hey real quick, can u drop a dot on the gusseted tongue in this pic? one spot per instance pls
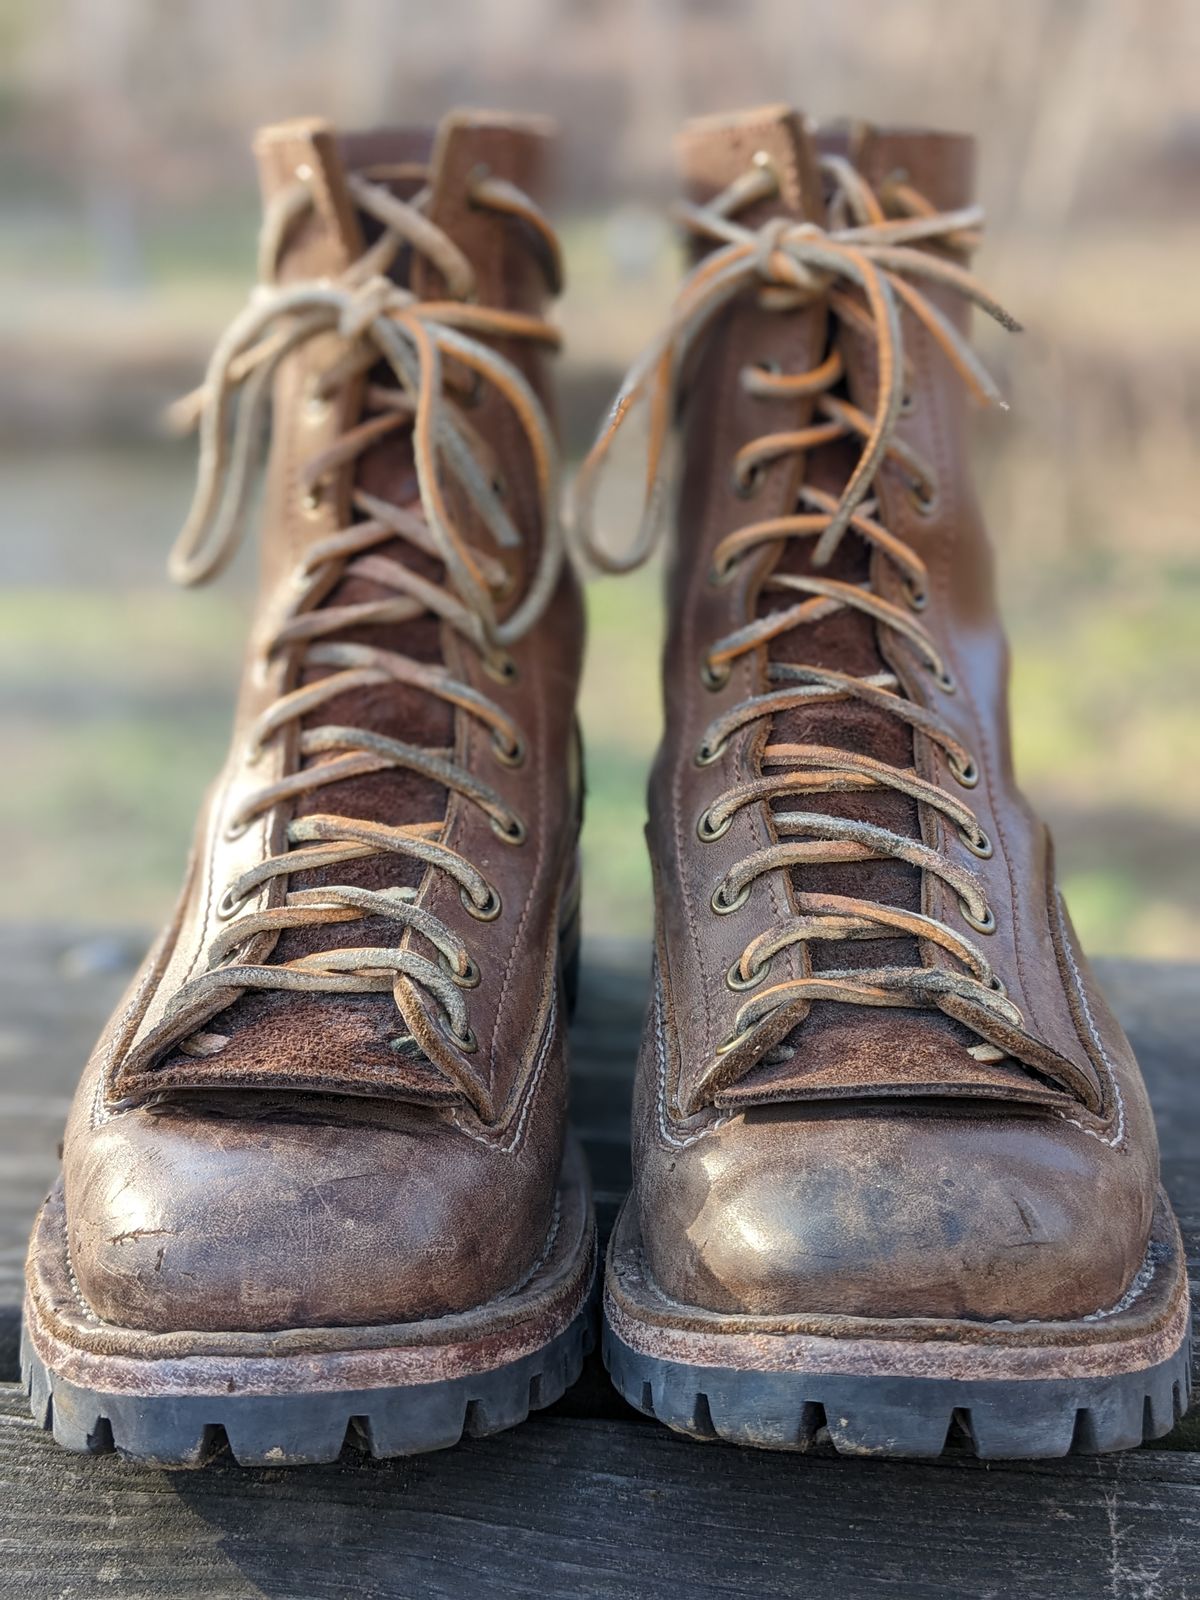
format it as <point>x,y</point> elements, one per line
<point>837,1049</point>
<point>310,1040</point>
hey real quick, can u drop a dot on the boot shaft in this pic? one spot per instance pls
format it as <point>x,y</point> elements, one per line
<point>407,704</point>
<point>835,825</point>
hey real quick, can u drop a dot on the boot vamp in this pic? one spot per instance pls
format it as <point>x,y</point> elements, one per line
<point>256,1216</point>
<point>784,1211</point>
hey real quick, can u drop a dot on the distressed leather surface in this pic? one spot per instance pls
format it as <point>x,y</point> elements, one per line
<point>877,1169</point>
<point>307,1174</point>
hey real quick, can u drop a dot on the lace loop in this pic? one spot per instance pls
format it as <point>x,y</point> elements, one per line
<point>867,265</point>
<point>367,318</point>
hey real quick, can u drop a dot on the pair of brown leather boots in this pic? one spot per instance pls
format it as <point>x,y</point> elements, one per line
<point>895,1171</point>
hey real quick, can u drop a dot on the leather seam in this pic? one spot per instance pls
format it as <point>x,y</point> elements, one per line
<point>527,1277</point>
<point>84,1306</point>
<point>548,1035</point>
<point>675,1141</point>
<point>1118,1137</point>
<point>1141,1281</point>
<point>505,1294</point>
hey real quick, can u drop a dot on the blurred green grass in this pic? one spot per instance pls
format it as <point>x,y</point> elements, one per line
<point>115,690</point>
<point>116,704</point>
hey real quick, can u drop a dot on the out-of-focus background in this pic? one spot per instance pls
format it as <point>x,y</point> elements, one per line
<point>127,218</point>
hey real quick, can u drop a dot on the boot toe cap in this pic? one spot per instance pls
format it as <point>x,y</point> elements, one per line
<point>896,1217</point>
<point>210,1223</point>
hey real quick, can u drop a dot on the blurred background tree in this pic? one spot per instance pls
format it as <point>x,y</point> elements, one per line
<point>128,212</point>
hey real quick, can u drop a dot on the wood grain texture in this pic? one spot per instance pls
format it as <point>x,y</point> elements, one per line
<point>586,1500</point>
<point>584,1508</point>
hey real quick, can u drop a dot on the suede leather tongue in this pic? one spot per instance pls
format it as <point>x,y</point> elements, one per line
<point>839,1049</point>
<point>271,1032</point>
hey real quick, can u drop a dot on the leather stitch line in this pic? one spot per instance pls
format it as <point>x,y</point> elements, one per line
<point>660,1057</point>
<point>677,780</point>
<point>1118,1137</point>
<point>1137,1288</point>
<point>92,1316</point>
<point>506,1294</point>
<point>534,1079</point>
<point>537,1266</point>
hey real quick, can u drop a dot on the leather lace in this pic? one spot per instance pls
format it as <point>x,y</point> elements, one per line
<point>865,265</point>
<point>432,349</point>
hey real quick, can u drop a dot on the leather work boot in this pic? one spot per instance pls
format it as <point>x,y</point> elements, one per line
<point>317,1177</point>
<point>896,1174</point>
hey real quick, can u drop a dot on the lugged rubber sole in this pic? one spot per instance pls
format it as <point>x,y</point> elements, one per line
<point>302,1429</point>
<point>299,1396</point>
<point>997,1390</point>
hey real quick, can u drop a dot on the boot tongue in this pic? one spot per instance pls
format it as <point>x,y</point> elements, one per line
<point>714,152</point>
<point>841,1049</point>
<point>324,239</point>
<point>940,166</point>
<point>273,1035</point>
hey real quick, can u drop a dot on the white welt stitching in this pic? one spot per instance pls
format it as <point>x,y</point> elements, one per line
<point>660,1057</point>
<point>537,1266</point>
<point>1119,1135</point>
<point>547,1038</point>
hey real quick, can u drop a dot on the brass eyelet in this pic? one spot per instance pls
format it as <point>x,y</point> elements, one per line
<point>465,980</point>
<point>917,599</point>
<point>719,576</point>
<point>502,668</point>
<point>908,403</point>
<point>722,906</point>
<point>466,1042</point>
<point>763,160</point>
<point>478,174</point>
<point>508,755</point>
<point>987,926</point>
<point>488,911</point>
<point>511,830</point>
<point>236,829</point>
<point>707,830</point>
<point>732,1042</point>
<point>968,776</point>
<point>980,846</point>
<point>923,497</point>
<point>757,973</point>
<point>311,501</point>
<point>747,484</point>
<point>707,753</point>
<point>997,985</point>
<point>230,904</point>
<point>944,679</point>
<point>316,405</point>
<point>505,588</point>
<point>768,365</point>
<point>714,678</point>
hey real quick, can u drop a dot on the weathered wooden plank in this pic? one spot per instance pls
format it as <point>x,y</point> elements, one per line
<point>597,1509</point>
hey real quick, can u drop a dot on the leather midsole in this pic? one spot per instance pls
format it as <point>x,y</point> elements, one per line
<point>103,1357</point>
<point>1126,1339</point>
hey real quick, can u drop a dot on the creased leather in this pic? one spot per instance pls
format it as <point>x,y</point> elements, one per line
<point>878,1168</point>
<point>305,1174</point>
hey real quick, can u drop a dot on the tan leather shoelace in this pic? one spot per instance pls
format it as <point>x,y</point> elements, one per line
<point>374,319</point>
<point>865,265</point>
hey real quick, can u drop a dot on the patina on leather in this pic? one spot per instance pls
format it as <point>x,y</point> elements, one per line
<point>350,1039</point>
<point>877,1077</point>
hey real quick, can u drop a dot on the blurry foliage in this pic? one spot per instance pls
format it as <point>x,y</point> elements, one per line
<point>126,227</point>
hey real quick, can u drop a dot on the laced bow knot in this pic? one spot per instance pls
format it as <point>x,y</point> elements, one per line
<point>375,297</point>
<point>373,318</point>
